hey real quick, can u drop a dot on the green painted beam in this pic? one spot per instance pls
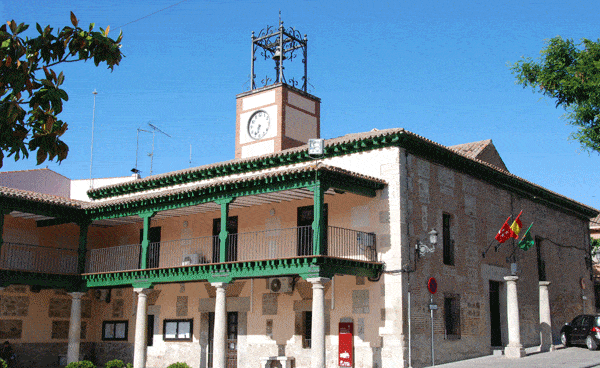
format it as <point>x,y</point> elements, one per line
<point>225,272</point>
<point>43,280</point>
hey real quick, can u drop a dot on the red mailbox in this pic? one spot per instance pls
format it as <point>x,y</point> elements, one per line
<point>346,337</point>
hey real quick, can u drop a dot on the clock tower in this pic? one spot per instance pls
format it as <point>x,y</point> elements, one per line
<point>280,115</point>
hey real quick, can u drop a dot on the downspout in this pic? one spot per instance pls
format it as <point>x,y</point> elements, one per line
<point>405,242</point>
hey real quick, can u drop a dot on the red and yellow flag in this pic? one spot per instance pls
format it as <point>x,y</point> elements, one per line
<point>516,226</point>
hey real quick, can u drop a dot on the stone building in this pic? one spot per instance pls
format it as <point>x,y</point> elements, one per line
<point>279,256</point>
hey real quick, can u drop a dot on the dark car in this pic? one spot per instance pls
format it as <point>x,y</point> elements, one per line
<point>583,329</point>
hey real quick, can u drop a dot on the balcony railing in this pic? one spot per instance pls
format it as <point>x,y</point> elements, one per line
<point>251,246</point>
<point>36,258</point>
<point>121,258</point>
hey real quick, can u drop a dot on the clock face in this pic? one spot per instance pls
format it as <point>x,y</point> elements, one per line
<point>259,124</point>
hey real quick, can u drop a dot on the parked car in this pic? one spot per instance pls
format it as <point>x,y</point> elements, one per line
<point>583,329</point>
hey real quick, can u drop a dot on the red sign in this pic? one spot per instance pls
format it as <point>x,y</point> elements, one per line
<point>346,344</point>
<point>432,285</point>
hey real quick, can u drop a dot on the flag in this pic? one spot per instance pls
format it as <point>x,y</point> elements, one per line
<point>505,232</point>
<point>527,240</point>
<point>516,226</point>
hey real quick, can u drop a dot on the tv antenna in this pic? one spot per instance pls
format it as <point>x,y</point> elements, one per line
<point>92,145</point>
<point>151,154</point>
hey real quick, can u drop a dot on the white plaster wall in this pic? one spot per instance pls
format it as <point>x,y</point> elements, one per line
<point>79,187</point>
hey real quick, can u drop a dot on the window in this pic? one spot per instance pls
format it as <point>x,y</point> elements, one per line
<point>307,329</point>
<point>115,330</point>
<point>541,265</point>
<point>448,244</point>
<point>452,316</point>
<point>177,329</point>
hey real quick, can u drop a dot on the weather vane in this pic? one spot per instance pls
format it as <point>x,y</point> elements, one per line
<point>279,44</point>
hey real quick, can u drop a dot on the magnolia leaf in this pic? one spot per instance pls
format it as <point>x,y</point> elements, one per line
<point>74,20</point>
<point>41,156</point>
<point>107,30</point>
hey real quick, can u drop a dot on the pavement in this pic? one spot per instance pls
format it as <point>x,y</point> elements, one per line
<point>572,357</point>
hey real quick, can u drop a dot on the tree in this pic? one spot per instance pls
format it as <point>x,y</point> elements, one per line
<point>30,93</point>
<point>569,73</point>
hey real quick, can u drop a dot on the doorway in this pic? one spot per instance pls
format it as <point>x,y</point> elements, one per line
<point>495,326</point>
<point>305,220</point>
<point>153,256</point>
<point>232,335</point>
<point>232,229</point>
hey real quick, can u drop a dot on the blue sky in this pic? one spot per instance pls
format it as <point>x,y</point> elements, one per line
<point>440,69</point>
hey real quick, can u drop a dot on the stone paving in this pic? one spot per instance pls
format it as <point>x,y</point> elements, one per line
<point>573,357</point>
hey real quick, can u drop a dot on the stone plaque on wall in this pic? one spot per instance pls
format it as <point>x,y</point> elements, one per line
<point>14,305</point>
<point>182,306</point>
<point>60,308</point>
<point>60,329</point>
<point>269,329</point>
<point>86,308</point>
<point>384,217</point>
<point>269,304</point>
<point>16,289</point>
<point>11,328</point>
<point>360,301</point>
<point>118,308</point>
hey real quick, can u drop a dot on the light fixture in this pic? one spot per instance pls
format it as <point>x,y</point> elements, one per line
<point>423,249</point>
<point>315,147</point>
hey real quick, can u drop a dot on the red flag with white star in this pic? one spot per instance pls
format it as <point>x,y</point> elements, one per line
<point>505,232</point>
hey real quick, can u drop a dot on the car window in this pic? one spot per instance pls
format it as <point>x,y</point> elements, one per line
<point>586,321</point>
<point>597,321</point>
<point>576,321</point>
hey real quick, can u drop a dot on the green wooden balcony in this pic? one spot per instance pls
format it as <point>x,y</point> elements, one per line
<point>243,247</point>
<point>251,254</point>
<point>275,252</point>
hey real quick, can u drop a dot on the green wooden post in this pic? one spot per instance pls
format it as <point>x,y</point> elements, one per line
<point>82,250</point>
<point>318,225</point>
<point>146,216</point>
<point>224,202</point>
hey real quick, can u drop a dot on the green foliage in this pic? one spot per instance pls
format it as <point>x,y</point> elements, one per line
<point>81,364</point>
<point>30,93</point>
<point>117,364</point>
<point>3,363</point>
<point>179,365</point>
<point>595,245</point>
<point>569,73</point>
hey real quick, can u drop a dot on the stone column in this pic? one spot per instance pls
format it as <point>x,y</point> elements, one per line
<point>74,328</point>
<point>141,321</point>
<point>545,319</point>
<point>318,322</point>
<point>514,349</point>
<point>220,326</point>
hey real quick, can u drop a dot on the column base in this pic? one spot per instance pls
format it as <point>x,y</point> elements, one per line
<point>513,352</point>
<point>546,348</point>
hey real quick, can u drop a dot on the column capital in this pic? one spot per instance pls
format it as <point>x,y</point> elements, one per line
<point>220,285</point>
<point>545,283</point>
<point>318,280</point>
<point>76,294</point>
<point>142,291</point>
<point>511,278</point>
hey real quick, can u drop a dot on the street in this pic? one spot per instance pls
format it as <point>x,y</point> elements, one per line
<point>573,357</point>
